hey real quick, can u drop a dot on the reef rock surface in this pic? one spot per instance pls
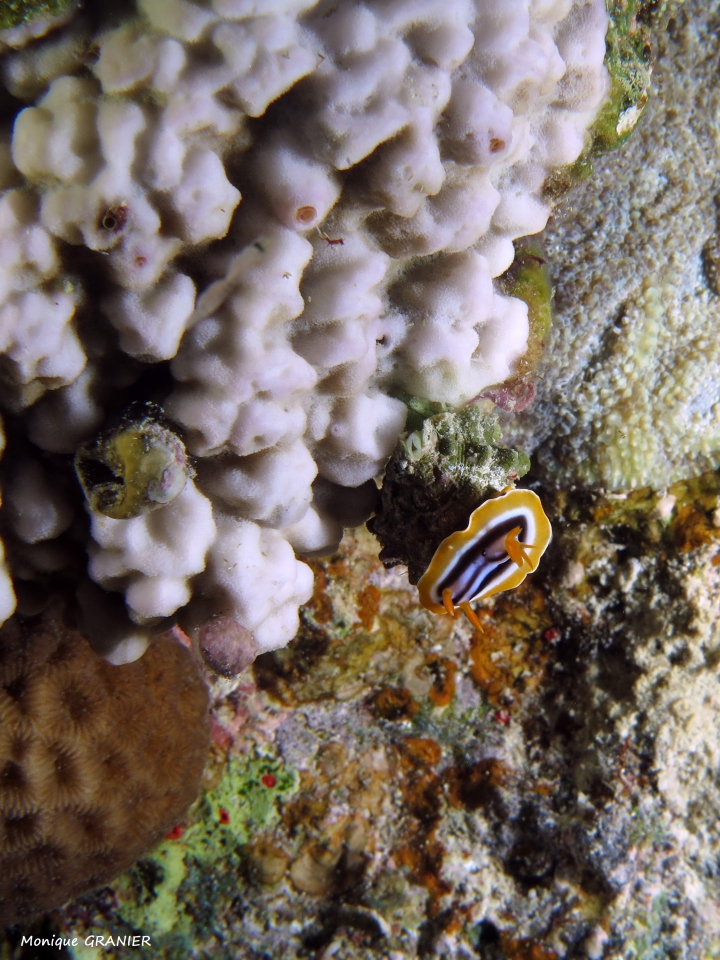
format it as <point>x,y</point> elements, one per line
<point>397,784</point>
<point>629,384</point>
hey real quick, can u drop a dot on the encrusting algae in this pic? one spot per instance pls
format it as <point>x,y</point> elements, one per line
<point>404,783</point>
<point>16,13</point>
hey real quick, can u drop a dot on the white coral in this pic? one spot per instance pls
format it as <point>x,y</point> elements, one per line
<point>7,592</point>
<point>39,345</point>
<point>253,576</point>
<point>154,556</point>
<point>238,354</point>
<point>403,147</point>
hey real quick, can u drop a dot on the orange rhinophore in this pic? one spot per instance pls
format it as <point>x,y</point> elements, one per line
<point>503,542</point>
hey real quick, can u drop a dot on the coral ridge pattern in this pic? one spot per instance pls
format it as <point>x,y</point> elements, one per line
<point>97,761</point>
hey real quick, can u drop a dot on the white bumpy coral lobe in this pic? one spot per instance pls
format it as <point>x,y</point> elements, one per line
<point>410,129</point>
<point>39,348</point>
<point>7,593</point>
<point>253,575</point>
<point>155,555</point>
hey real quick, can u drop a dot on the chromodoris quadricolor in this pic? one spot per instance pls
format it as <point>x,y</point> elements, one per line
<point>503,542</point>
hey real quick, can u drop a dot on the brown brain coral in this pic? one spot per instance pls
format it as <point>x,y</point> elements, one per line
<point>97,761</point>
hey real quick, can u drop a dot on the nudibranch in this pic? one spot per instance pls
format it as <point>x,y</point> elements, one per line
<point>503,542</point>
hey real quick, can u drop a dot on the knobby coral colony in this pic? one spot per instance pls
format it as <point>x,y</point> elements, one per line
<point>97,761</point>
<point>503,542</point>
<point>281,223</point>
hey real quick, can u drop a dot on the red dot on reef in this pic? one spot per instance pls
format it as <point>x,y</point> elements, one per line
<point>177,831</point>
<point>503,717</point>
<point>552,634</point>
<point>268,780</point>
<point>224,816</point>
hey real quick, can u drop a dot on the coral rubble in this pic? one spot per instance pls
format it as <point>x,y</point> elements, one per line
<point>279,224</point>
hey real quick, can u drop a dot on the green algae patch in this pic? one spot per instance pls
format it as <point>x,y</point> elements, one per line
<point>419,409</point>
<point>14,13</point>
<point>628,59</point>
<point>164,895</point>
<point>629,44</point>
<point>436,477</point>
<point>632,28</point>
<point>527,279</point>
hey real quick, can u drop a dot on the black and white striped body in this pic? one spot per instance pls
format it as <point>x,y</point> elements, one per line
<point>483,563</point>
<point>476,562</point>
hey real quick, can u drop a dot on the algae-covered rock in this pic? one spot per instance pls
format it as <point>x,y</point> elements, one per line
<point>628,59</point>
<point>16,13</point>
<point>628,383</point>
<point>528,279</point>
<point>169,893</point>
<point>399,784</point>
<point>632,42</point>
<point>134,467</point>
<point>439,473</point>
